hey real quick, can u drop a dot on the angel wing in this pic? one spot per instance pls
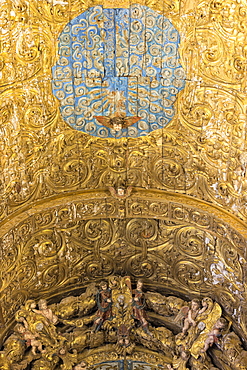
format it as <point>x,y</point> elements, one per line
<point>209,322</point>
<point>129,121</point>
<point>116,195</point>
<point>128,191</point>
<point>113,191</point>
<point>105,121</point>
<point>118,120</point>
<point>183,313</point>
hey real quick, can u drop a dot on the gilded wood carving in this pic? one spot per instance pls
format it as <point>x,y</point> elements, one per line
<point>115,321</point>
<point>169,206</point>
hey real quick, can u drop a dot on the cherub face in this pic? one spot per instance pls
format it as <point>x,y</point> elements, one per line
<point>120,191</point>
<point>139,284</point>
<point>220,325</point>
<point>194,306</point>
<point>117,126</point>
<point>43,305</point>
<point>21,329</point>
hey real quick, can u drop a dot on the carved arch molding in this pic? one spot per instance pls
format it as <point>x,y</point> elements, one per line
<point>179,246</point>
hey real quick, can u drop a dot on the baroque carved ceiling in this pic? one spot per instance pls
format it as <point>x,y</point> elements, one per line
<point>164,204</point>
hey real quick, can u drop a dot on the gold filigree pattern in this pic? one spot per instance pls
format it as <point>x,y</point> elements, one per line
<point>183,221</point>
<point>199,157</point>
<point>69,246</point>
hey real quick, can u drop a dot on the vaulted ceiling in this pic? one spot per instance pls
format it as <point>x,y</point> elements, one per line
<point>166,204</point>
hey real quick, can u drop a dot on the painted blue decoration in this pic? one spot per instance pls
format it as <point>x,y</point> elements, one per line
<point>119,72</point>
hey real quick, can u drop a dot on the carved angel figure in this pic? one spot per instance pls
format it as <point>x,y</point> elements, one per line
<point>120,192</point>
<point>38,344</point>
<point>104,303</point>
<point>30,339</point>
<point>117,122</point>
<point>139,306</point>
<point>38,325</point>
<point>213,336</point>
<point>190,315</point>
<point>46,312</point>
<point>207,327</point>
<point>194,331</point>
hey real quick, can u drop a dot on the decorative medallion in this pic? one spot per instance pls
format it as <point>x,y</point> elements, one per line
<point>118,72</point>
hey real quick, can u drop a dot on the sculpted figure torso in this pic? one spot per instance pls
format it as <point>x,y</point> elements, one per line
<point>104,303</point>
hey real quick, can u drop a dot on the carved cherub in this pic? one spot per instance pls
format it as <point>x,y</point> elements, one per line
<point>213,336</point>
<point>204,306</point>
<point>46,312</point>
<point>30,339</point>
<point>191,315</point>
<point>118,122</point>
<point>206,322</point>
<point>38,324</point>
<point>207,306</point>
<point>32,321</point>
<point>120,192</point>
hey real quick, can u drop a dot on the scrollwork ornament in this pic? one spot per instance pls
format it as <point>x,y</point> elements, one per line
<point>189,274</point>
<point>138,266</point>
<point>98,266</point>
<point>190,241</point>
<point>142,232</point>
<point>182,226</point>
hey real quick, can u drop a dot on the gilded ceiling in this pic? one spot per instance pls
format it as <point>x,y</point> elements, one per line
<point>123,150</point>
